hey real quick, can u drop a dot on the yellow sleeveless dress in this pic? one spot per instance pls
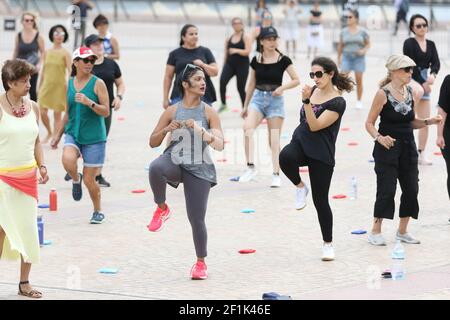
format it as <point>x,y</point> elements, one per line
<point>53,92</point>
<point>18,211</point>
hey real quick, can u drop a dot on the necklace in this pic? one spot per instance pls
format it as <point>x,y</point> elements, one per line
<point>19,112</point>
<point>402,93</point>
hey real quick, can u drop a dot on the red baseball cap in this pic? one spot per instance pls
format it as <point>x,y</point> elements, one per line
<point>83,52</point>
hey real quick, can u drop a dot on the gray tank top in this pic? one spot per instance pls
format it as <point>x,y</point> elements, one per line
<point>188,149</point>
<point>29,51</point>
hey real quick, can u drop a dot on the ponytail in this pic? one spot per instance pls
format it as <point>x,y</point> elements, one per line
<point>386,80</point>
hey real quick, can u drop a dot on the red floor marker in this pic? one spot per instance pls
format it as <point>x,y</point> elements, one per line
<point>235,110</point>
<point>222,160</point>
<point>247,251</point>
<point>138,191</point>
<point>226,141</point>
<point>345,129</point>
<point>120,118</point>
<point>352,144</point>
<point>438,153</point>
<point>303,170</point>
<point>339,196</point>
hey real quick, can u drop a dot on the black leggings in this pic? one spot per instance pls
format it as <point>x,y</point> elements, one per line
<point>33,89</point>
<point>108,121</point>
<point>291,158</point>
<point>240,70</point>
<point>446,154</point>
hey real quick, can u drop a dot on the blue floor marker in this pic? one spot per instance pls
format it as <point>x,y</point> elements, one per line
<point>108,270</point>
<point>247,210</point>
<point>359,231</point>
<point>43,206</point>
<point>234,179</point>
<point>47,242</point>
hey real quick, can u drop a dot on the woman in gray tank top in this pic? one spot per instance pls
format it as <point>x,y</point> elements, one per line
<point>194,126</point>
<point>30,46</point>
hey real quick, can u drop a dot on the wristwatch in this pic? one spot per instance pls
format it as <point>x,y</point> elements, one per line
<point>93,105</point>
<point>120,97</point>
<point>306,101</point>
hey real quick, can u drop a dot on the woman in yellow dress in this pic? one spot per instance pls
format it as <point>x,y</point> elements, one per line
<point>52,85</point>
<point>21,167</point>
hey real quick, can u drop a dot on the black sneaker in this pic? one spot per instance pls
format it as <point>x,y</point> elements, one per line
<point>67,177</point>
<point>97,218</point>
<point>102,182</point>
<point>77,191</point>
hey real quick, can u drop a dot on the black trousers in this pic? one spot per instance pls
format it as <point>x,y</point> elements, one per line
<point>398,163</point>
<point>229,71</point>
<point>291,158</point>
<point>446,154</point>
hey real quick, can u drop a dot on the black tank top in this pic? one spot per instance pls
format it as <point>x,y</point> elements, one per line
<point>397,116</point>
<point>237,58</point>
<point>29,51</point>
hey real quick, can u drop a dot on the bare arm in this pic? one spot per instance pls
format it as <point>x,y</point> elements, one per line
<point>295,81</point>
<point>41,43</point>
<point>440,142</point>
<point>120,85</point>
<point>340,47</point>
<point>41,73</point>
<point>211,69</point>
<point>16,47</point>
<point>68,64</point>
<point>38,152</point>
<point>326,119</point>
<point>214,137</point>
<point>377,106</point>
<point>250,89</point>
<point>102,108</point>
<point>115,49</point>
<point>168,78</point>
<point>247,47</point>
<point>162,128</point>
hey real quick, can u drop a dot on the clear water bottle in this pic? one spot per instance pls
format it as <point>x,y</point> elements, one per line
<point>399,251</point>
<point>353,189</point>
<point>397,271</point>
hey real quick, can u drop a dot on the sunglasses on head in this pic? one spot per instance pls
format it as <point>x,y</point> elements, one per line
<point>190,67</point>
<point>88,60</point>
<point>407,69</point>
<point>420,26</point>
<point>317,74</point>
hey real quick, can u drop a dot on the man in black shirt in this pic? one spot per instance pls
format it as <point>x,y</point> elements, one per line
<point>108,70</point>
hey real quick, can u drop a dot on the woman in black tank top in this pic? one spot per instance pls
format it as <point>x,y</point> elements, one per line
<point>395,151</point>
<point>30,46</point>
<point>236,62</point>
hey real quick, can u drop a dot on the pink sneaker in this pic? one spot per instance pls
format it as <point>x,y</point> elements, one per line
<point>199,271</point>
<point>159,217</point>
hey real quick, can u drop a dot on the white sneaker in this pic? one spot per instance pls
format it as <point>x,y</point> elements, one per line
<point>248,175</point>
<point>276,181</point>
<point>406,238</point>
<point>359,105</point>
<point>300,201</point>
<point>376,239</point>
<point>327,252</point>
<point>423,160</point>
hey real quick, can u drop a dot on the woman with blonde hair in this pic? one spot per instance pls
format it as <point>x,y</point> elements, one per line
<point>30,46</point>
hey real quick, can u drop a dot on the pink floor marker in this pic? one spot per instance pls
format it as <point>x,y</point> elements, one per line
<point>120,118</point>
<point>226,141</point>
<point>235,110</point>
<point>345,129</point>
<point>247,251</point>
<point>222,160</point>
<point>352,144</point>
<point>339,196</point>
<point>138,191</point>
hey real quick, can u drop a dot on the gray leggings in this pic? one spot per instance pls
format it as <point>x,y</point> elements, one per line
<point>196,192</point>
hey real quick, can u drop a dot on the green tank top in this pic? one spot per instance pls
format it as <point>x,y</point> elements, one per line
<point>84,125</point>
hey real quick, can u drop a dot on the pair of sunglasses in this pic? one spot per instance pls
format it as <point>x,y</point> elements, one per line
<point>420,26</point>
<point>190,67</point>
<point>407,69</point>
<point>28,20</point>
<point>348,17</point>
<point>317,74</point>
<point>59,33</point>
<point>88,60</point>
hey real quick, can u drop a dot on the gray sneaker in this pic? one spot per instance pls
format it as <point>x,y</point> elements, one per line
<point>406,238</point>
<point>376,239</point>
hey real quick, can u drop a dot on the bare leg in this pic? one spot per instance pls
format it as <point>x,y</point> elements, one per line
<point>359,85</point>
<point>403,225</point>
<point>25,269</point>
<point>274,125</point>
<point>2,239</point>
<point>69,160</point>
<point>376,228</point>
<point>56,120</point>
<point>89,175</point>
<point>250,124</point>
<point>46,123</point>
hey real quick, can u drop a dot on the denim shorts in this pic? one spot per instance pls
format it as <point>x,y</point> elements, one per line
<point>268,105</point>
<point>424,74</point>
<point>352,62</point>
<point>93,154</point>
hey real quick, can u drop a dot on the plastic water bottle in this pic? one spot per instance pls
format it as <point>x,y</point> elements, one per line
<point>399,251</point>
<point>398,272</point>
<point>53,200</point>
<point>40,225</point>
<point>353,189</point>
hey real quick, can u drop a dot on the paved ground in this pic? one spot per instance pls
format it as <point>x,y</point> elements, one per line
<point>287,242</point>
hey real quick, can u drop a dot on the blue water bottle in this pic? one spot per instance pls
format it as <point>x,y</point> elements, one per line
<point>40,225</point>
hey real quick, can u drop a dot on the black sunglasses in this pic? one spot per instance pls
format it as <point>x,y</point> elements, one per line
<point>88,60</point>
<point>317,74</point>
<point>407,69</point>
<point>348,17</point>
<point>420,26</point>
<point>189,67</point>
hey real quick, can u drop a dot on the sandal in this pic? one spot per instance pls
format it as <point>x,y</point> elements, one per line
<point>31,294</point>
